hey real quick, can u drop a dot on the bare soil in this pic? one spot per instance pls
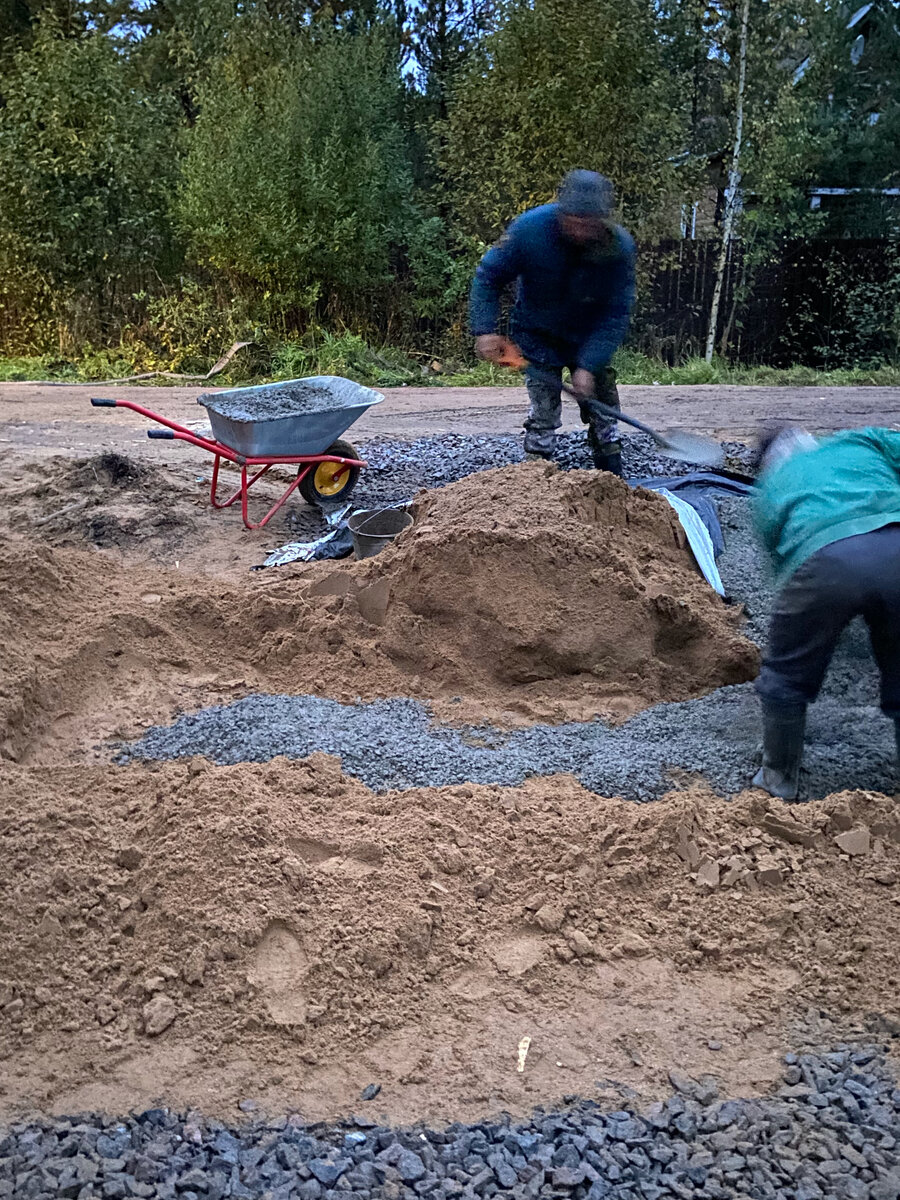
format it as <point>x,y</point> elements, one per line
<point>45,419</point>
<point>205,935</point>
<point>199,935</point>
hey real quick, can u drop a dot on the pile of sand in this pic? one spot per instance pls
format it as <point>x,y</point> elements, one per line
<point>203,931</point>
<point>109,501</point>
<point>520,594</point>
<point>546,595</point>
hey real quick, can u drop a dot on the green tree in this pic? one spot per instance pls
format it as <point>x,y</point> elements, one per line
<point>19,20</point>
<point>86,166</point>
<point>751,106</point>
<point>296,180</point>
<point>564,83</point>
<point>442,34</point>
<point>857,73</point>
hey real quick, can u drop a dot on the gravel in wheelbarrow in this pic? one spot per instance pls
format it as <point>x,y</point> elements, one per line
<point>293,398</point>
<point>299,416</point>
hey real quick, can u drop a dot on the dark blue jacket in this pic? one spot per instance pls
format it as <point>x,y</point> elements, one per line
<point>573,304</point>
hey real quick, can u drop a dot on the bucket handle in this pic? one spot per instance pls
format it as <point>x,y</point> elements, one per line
<point>371,517</point>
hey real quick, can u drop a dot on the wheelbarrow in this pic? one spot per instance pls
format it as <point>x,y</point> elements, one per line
<point>296,423</point>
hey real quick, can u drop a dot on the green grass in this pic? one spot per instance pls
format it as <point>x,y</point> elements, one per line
<point>633,367</point>
<point>20,369</point>
<point>92,365</point>
<point>349,355</point>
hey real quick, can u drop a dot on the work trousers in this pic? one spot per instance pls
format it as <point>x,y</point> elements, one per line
<point>855,577</point>
<point>545,416</point>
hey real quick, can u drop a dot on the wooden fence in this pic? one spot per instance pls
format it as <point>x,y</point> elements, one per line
<point>816,303</point>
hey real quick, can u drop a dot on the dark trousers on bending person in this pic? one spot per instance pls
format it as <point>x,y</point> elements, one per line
<point>545,417</point>
<point>855,577</point>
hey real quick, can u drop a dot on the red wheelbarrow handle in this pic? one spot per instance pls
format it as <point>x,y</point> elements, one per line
<point>173,429</point>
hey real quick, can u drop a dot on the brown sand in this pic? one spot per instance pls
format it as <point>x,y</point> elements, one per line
<point>550,595</point>
<point>277,932</point>
<point>521,594</point>
<point>199,936</point>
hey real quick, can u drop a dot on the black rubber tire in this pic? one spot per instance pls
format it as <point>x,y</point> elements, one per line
<point>311,494</point>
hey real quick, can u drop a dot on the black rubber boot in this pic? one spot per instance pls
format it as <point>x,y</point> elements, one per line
<point>538,446</point>
<point>784,726</point>
<point>609,462</point>
<point>607,456</point>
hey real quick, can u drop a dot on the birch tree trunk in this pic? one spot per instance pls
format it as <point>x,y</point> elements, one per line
<point>734,178</point>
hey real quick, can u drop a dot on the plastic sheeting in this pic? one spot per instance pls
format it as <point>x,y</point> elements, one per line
<point>695,488</point>
<point>698,537</point>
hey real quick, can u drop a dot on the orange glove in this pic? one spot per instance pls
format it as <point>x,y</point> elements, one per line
<point>500,350</point>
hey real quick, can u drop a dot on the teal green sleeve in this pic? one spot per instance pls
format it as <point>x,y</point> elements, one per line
<point>888,442</point>
<point>767,519</point>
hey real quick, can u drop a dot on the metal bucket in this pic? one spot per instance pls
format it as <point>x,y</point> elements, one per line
<point>374,528</point>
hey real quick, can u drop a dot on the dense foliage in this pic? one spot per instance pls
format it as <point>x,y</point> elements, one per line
<point>177,174</point>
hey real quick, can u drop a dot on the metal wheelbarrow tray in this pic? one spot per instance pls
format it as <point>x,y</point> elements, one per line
<point>291,423</point>
<point>301,416</point>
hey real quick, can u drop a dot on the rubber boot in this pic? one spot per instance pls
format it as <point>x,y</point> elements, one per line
<point>784,726</point>
<point>609,462</point>
<point>607,456</point>
<point>539,447</point>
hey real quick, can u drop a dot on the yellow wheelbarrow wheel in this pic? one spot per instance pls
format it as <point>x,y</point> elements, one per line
<point>330,483</point>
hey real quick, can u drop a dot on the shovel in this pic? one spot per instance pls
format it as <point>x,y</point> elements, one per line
<point>686,447</point>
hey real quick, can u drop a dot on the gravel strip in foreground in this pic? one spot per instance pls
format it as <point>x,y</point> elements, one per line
<point>831,1131</point>
<point>393,743</point>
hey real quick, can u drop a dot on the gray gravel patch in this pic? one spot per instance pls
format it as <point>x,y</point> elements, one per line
<point>830,1131</point>
<point>271,403</point>
<point>394,743</point>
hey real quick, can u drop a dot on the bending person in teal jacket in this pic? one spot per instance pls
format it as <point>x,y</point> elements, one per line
<point>574,271</point>
<point>828,513</point>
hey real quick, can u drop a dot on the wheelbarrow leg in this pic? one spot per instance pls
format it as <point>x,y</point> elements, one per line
<point>240,493</point>
<point>246,485</point>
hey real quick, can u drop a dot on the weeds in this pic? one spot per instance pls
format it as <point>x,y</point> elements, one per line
<point>320,352</point>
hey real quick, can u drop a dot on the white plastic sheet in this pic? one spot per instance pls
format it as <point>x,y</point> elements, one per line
<point>698,538</point>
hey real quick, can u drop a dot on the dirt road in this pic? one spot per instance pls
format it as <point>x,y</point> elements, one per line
<point>41,418</point>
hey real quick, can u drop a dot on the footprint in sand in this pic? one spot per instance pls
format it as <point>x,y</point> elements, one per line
<point>355,861</point>
<point>278,970</point>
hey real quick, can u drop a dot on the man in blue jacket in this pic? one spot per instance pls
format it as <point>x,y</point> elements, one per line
<point>575,274</point>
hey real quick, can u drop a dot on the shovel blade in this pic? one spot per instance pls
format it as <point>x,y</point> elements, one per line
<point>692,448</point>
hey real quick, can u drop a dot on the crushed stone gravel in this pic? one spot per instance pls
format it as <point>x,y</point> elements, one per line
<point>394,743</point>
<point>293,398</point>
<point>268,404</point>
<point>830,1131</point>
